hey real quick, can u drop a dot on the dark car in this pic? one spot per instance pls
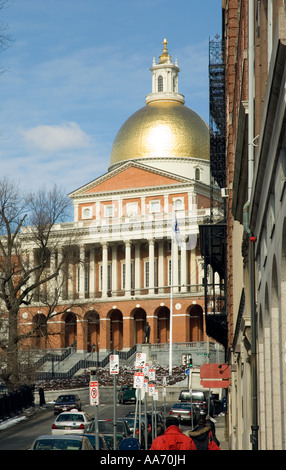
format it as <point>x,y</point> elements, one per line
<point>185,412</point>
<point>159,422</point>
<point>64,442</point>
<point>106,428</point>
<point>199,397</point>
<point>126,393</point>
<point>130,421</point>
<point>202,398</point>
<point>103,445</point>
<point>67,403</point>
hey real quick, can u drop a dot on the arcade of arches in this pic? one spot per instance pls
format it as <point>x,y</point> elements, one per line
<point>91,330</point>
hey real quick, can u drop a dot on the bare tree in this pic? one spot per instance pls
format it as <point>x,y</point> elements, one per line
<point>29,224</point>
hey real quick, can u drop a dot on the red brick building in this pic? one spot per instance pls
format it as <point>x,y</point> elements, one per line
<point>127,269</point>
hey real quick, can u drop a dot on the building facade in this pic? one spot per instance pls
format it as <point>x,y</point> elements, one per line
<point>126,267</point>
<point>255,34</point>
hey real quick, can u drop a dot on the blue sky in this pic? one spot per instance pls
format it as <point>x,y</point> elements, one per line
<point>76,70</point>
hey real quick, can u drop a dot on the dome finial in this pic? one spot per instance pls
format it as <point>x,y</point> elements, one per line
<point>164,57</point>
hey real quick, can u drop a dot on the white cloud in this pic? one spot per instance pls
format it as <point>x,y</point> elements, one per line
<point>56,137</point>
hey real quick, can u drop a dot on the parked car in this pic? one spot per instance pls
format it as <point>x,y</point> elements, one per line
<point>106,428</point>
<point>159,422</point>
<point>200,398</point>
<point>130,421</point>
<point>71,422</point>
<point>126,393</point>
<point>103,444</point>
<point>65,442</point>
<point>185,412</point>
<point>67,403</point>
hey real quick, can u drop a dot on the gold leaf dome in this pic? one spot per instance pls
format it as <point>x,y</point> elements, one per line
<point>165,129</point>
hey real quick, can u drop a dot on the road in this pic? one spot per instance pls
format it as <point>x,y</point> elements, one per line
<point>22,435</point>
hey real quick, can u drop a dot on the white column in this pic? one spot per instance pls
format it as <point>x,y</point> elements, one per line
<point>53,282</point>
<point>175,266</point>
<point>92,272</point>
<point>184,264</point>
<point>137,268</point>
<point>104,268</point>
<point>127,267</point>
<point>161,270</point>
<point>81,271</point>
<point>114,276</point>
<point>151,265</point>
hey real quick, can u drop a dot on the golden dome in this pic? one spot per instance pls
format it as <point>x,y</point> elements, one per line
<point>167,129</point>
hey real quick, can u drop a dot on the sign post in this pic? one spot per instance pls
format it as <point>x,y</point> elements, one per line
<point>94,401</point>
<point>114,369</point>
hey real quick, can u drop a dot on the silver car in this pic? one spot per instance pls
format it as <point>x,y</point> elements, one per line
<point>71,422</point>
<point>62,443</point>
<point>184,411</point>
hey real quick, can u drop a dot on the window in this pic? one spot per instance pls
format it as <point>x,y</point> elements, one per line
<point>123,275</point>
<point>160,83</point>
<point>147,274</point>
<point>154,206</point>
<point>108,276</point>
<point>108,211</point>
<point>197,174</point>
<point>86,213</point>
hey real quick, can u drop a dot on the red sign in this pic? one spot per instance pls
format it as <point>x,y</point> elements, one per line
<point>215,375</point>
<point>93,393</point>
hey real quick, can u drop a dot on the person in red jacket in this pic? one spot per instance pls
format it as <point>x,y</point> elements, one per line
<point>173,438</point>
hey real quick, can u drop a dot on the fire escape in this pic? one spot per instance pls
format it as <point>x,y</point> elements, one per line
<point>213,230</point>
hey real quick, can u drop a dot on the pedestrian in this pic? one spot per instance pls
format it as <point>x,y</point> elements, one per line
<point>42,396</point>
<point>203,436</point>
<point>173,438</point>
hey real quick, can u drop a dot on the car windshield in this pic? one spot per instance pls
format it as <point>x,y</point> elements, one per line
<point>65,398</point>
<point>58,444</point>
<point>70,417</point>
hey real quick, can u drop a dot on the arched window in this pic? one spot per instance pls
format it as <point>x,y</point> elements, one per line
<point>197,174</point>
<point>160,83</point>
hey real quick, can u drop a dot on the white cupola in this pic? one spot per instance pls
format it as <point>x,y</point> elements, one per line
<point>165,79</point>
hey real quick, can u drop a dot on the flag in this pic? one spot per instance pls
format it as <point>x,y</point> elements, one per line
<point>176,230</point>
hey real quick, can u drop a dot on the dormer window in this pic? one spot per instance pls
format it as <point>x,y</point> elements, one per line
<point>160,83</point>
<point>197,174</point>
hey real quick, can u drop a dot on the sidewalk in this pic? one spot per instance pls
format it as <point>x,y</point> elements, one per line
<point>220,431</point>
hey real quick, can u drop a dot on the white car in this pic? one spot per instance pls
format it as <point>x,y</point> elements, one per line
<point>71,422</point>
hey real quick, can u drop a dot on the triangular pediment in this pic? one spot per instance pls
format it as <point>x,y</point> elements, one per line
<point>130,176</point>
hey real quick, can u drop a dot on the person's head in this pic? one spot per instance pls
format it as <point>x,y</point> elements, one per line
<point>202,420</point>
<point>172,421</point>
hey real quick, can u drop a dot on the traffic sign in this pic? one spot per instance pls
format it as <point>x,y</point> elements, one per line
<point>93,393</point>
<point>152,374</point>
<point>138,380</point>
<point>114,364</point>
<point>140,360</point>
<point>152,390</point>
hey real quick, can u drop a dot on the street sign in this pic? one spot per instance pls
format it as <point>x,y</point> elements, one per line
<point>114,364</point>
<point>140,360</point>
<point>138,380</point>
<point>152,374</point>
<point>93,393</point>
<point>215,375</point>
<point>152,390</point>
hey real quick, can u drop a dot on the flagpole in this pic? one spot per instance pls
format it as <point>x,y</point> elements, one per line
<point>177,237</point>
<point>171,313</point>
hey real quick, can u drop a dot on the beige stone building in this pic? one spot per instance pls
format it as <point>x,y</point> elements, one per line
<point>255,61</point>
